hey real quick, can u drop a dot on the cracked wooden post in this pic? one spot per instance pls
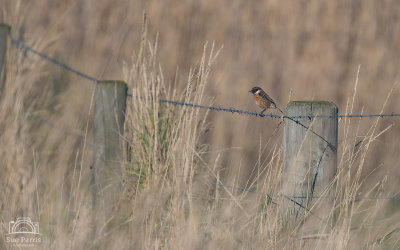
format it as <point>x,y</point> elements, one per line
<point>109,118</point>
<point>310,160</point>
<point>4,32</point>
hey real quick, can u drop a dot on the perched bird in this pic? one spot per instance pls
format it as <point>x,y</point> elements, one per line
<point>263,100</point>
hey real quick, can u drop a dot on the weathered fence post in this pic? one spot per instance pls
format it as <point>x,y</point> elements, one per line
<point>109,118</point>
<point>310,151</point>
<point>4,32</point>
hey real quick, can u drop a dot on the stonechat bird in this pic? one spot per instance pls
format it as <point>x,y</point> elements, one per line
<point>263,100</point>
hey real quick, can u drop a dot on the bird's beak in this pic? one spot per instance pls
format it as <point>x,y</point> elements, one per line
<point>250,91</point>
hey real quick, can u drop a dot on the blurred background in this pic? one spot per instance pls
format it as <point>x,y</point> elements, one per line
<point>300,50</point>
<point>295,50</point>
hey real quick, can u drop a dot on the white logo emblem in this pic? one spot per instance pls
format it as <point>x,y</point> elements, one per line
<point>23,232</point>
<point>23,225</point>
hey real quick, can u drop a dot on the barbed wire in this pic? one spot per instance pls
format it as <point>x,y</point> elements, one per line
<point>215,108</point>
<point>233,110</point>
<point>254,190</point>
<point>245,112</point>
<point>20,44</point>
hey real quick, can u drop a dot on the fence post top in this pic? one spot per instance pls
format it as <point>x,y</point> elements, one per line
<point>119,82</point>
<point>308,103</point>
<point>4,25</point>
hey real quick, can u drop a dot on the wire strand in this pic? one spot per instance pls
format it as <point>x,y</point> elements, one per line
<point>245,112</point>
<point>21,45</point>
<point>53,60</point>
<point>253,190</point>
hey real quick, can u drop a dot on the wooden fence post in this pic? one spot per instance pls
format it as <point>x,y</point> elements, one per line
<point>4,32</point>
<point>310,151</point>
<point>109,118</point>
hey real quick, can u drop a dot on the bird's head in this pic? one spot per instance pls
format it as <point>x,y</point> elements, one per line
<point>254,90</point>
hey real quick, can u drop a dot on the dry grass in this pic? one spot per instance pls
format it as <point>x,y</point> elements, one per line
<point>298,51</point>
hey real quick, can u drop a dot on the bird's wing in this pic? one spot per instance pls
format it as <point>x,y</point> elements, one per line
<point>266,96</point>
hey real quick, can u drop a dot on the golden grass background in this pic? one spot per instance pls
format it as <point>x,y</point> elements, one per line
<point>297,50</point>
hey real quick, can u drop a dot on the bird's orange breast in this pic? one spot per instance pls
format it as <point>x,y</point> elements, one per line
<point>261,102</point>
